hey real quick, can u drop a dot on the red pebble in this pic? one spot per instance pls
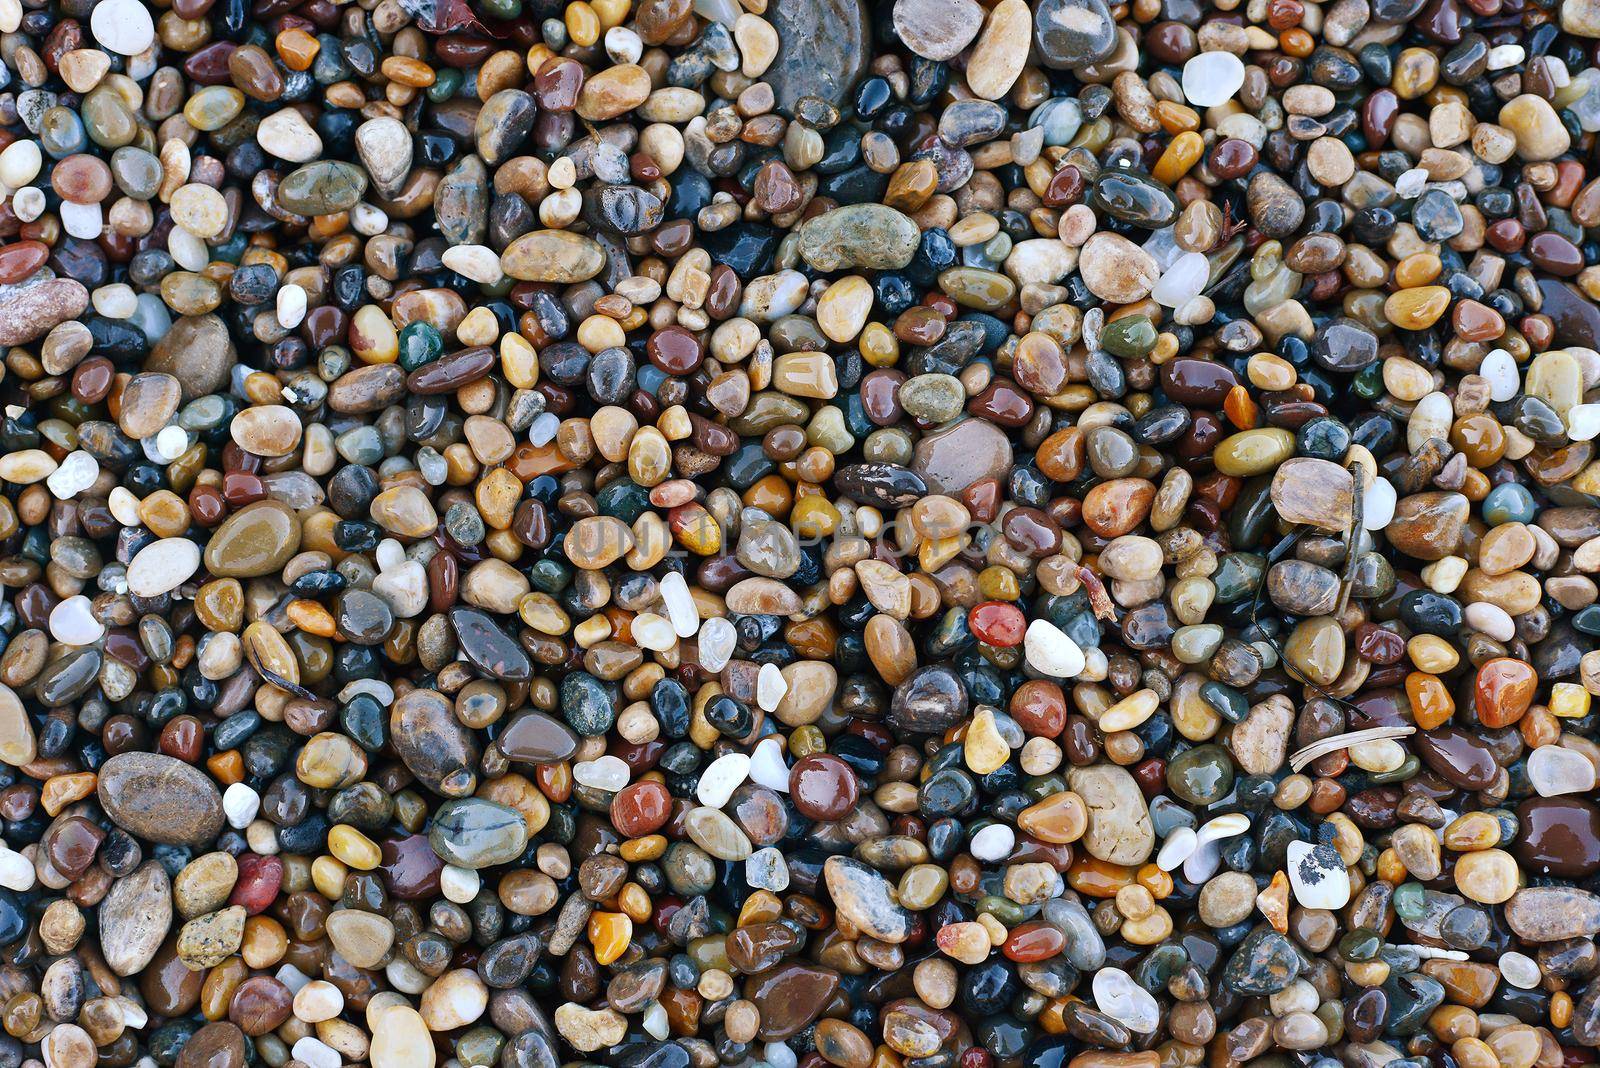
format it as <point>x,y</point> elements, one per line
<point>260,879</point>
<point>641,808</point>
<point>997,623</point>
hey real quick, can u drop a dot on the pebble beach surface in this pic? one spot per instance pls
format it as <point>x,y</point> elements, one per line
<point>799,533</point>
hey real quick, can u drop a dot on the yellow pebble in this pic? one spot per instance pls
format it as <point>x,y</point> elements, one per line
<point>1416,309</point>
<point>353,848</point>
<point>1182,153</point>
<point>1569,700</point>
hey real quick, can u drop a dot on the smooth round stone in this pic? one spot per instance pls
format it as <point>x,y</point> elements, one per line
<point>471,832</point>
<point>824,47</point>
<point>1560,837</point>
<point>1317,876</point>
<point>866,899</point>
<point>859,235</point>
<point>160,798</point>
<point>162,566</point>
<point>938,29</point>
<point>1073,34</point>
<point>717,834</point>
<point>122,26</point>
<point>1128,1003</point>
<point>72,622</point>
<point>823,787</point>
<point>535,738</point>
<point>1554,770</point>
<point>322,188</point>
<point>254,541</point>
<point>721,778</point>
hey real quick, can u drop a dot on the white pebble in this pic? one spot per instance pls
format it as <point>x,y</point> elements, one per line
<point>1554,770</point>
<point>653,632</point>
<point>1211,78</point>
<point>1317,876</point>
<point>291,305</point>
<point>765,869</point>
<point>1183,281</point>
<point>1520,970</point>
<point>124,506</point>
<point>115,301</point>
<point>1050,652</point>
<point>240,803</point>
<point>171,442</point>
<point>1377,506</point>
<point>16,871</point>
<point>680,605</point>
<point>1583,422</point>
<point>1411,183</point>
<point>187,249</point>
<point>1125,1001</point>
<point>28,203</point>
<point>317,1001</point>
<point>316,1053</point>
<point>767,767</point>
<point>623,45</point>
<point>655,1022</point>
<point>1431,418</point>
<point>770,687</point>
<point>721,778</point>
<point>1501,371</point>
<point>368,220</point>
<point>123,27</point>
<point>477,262</point>
<point>72,622</point>
<point>76,474</point>
<point>20,163</point>
<point>1492,620</point>
<point>717,639</point>
<point>994,843</point>
<point>543,429</point>
<point>1503,56</point>
<point>459,884</point>
<point>605,773</point>
<point>1179,847</point>
<point>81,220</point>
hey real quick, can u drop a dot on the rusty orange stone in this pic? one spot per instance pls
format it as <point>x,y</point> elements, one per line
<point>1431,703</point>
<point>59,791</point>
<point>1240,409</point>
<point>1098,878</point>
<point>1504,690</point>
<point>609,933</point>
<point>1033,941</point>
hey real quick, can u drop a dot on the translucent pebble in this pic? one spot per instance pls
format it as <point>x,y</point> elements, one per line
<point>1211,78</point>
<point>1183,281</point>
<point>717,639</point>
<point>680,605</point>
<point>72,622</point>
<point>1583,422</point>
<point>1377,507</point>
<point>543,430</point>
<point>605,773</point>
<point>76,474</point>
<point>1501,371</point>
<point>770,687</point>
<point>767,767</point>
